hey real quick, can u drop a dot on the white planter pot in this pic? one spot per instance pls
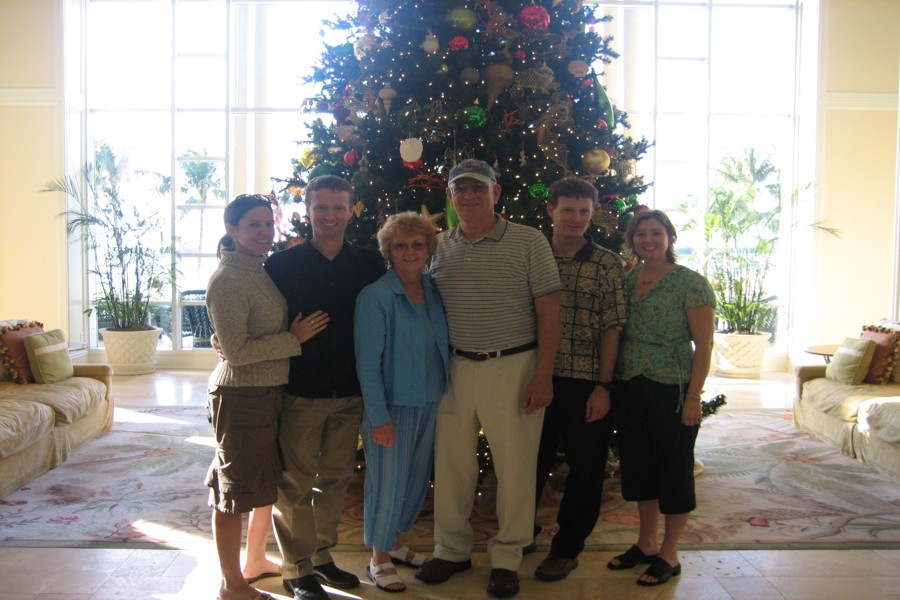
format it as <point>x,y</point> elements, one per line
<point>131,352</point>
<point>739,354</point>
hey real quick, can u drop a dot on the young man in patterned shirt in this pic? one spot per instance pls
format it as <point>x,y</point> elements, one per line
<point>592,311</point>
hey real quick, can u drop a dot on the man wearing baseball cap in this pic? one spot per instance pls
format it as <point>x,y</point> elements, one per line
<point>500,286</point>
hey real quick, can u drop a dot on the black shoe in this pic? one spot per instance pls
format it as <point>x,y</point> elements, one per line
<point>554,568</point>
<point>503,583</point>
<point>330,574</point>
<point>438,570</point>
<point>305,588</point>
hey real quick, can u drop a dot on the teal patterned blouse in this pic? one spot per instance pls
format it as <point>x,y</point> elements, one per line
<point>656,341</point>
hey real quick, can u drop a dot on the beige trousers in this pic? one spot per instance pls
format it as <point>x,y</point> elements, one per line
<point>486,395</point>
<point>318,439</point>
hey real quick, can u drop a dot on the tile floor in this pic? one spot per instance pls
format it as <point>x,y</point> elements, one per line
<point>162,574</point>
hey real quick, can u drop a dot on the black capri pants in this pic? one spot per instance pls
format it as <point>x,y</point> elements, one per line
<point>655,450</point>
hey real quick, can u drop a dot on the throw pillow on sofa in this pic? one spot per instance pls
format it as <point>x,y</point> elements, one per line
<point>48,356</point>
<point>887,345</point>
<point>4,372</point>
<point>12,349</point>
<point>851,361</point>
<point>895,326</point>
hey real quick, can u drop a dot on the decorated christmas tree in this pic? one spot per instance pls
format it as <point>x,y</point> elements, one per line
<point>419,86</point>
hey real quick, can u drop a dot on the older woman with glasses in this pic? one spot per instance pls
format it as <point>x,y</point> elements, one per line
<point>402,352</point>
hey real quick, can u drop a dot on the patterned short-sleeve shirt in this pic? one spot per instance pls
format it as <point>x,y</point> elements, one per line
<point>592,300</point>
<point>656,341</point>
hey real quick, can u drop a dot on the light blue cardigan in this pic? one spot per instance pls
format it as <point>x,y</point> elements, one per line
<point>390,345</point>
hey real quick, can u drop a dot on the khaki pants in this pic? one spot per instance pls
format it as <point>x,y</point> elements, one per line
<point>486,395</point>
<point>318,439</point>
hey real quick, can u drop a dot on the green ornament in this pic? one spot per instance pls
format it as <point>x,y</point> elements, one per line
<point>472,117</point>
<point>450,215</point>
<point>324,169</point>
<point>462,19</point>
<point>604,104</point>
<point>539,191</point>
<point>618,204</point>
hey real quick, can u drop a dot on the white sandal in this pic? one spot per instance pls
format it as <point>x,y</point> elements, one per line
<point>382,581</point>
<point>401,556</point>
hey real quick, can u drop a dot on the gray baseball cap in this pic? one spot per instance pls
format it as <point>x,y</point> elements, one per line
<point>474,168</point>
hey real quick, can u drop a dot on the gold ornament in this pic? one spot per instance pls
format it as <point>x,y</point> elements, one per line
<point>468,76</point>
<point>364,46</point>
<point>595,161</point>
<point>462,19</point>
<point>606,220</point>
<point>431,44</point>
<point>497,79</point>
<point>307,157</point>
<point>434,218</point>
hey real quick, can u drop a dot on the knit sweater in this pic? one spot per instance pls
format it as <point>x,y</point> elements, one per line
<point>250,318</point>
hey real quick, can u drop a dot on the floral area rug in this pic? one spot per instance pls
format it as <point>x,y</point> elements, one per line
<point>764,485</point>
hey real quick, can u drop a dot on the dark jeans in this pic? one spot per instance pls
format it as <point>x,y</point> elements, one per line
<point>586,446</point>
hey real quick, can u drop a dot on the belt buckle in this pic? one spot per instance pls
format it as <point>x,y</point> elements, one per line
<point>481,356</point>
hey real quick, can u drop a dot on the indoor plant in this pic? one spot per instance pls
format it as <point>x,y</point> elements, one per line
<point>126,253</point>
<point>740,232</point>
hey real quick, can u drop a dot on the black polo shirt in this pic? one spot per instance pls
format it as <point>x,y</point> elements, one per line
<point>310,282</point>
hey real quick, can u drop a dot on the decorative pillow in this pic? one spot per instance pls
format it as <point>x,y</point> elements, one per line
<point>4,372</point>
<point>887,347</point>
<point>851,361</point>
<point>12,349</point>
<point>48,356</point>
<point>894,325</point>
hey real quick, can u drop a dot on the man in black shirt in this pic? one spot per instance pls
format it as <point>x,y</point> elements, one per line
<point>322,402</point>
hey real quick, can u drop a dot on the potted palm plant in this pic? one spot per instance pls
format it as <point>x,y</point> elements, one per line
<point>127,257</point>
<point>740,230</point>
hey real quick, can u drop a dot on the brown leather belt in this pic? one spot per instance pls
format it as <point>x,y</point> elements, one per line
<point>483,356</point>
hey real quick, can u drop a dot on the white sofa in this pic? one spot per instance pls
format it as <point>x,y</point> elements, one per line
<point>862,421</point>
<point>41,424</point>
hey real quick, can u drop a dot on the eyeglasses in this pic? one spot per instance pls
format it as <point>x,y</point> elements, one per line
<point>479,189</point>
<point>403,246</point>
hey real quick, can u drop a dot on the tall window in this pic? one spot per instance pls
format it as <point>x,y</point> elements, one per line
<point>203,98</point>
<point>705,80</point>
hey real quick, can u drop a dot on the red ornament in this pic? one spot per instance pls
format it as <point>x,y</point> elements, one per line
<point>534,17</point>
<point>602,124</point>
<point>459,43</point>
<point>413,166</point>
<point>350,157</point>
<point>520,55</point>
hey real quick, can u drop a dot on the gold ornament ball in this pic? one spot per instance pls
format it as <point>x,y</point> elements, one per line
<point>462,19</point>
<point>364,46</point>
<point>469,76</point>
<point>595,161</point>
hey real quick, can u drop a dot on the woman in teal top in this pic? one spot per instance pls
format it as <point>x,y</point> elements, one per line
<point>664,356</point>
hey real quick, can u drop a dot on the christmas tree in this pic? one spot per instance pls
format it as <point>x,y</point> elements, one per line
<point>420,86</point>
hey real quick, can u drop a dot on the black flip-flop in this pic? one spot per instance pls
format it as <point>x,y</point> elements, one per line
<point>631,558</point>
<point>662,571</point>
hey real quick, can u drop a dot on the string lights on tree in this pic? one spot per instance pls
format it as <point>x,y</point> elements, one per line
<point>418,87</point>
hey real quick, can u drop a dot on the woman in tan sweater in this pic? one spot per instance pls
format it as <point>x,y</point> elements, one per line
<point>244,397</point>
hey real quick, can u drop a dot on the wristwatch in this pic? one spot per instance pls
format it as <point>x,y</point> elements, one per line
<point>606,385</point>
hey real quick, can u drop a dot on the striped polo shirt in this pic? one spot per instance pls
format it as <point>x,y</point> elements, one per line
<point>489,286</point>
